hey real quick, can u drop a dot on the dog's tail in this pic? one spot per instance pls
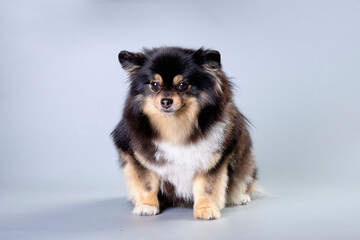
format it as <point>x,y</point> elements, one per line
<point>260,192</point>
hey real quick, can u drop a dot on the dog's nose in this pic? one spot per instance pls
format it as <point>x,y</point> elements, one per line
<point>166,102</point>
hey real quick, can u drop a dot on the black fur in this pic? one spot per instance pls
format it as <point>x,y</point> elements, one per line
<point>167,62</point>
<point>136,134</point>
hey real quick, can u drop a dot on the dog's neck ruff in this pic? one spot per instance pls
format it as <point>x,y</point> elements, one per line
<point>182,161</point>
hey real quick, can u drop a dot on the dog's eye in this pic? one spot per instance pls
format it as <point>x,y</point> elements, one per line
<point>183,87</point>
<point>155,86</point>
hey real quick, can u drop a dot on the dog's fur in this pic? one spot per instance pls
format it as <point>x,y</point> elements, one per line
<point>195,153</point>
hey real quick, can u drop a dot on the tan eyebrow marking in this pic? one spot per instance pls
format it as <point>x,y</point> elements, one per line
<point>177,79</point>
<point>158,78</point>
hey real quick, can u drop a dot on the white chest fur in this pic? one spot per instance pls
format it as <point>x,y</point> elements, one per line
<point>182,162</point>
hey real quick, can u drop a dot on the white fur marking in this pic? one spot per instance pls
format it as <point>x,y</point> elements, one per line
<point>145,210</point>
<point>244,198</point>
<point>183,161</point>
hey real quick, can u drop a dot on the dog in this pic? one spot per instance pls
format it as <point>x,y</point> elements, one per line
<point>181,140</point>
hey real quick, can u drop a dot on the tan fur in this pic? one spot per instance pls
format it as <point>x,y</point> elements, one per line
<point>158,78</point>
<point>251,187</point>
<point>131,69</point>
<point>205,209</point>
<point>176,127</point>
<point>215,159</point>
<point>138,192</point>
<point>142,159</point>
<point>203,97</point>
<point>209,194</point>
<point>215,73</point>
<point>177,101</point>
<point>177,79</point>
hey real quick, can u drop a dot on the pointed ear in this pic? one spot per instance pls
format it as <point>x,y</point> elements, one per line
<point>130,61</point>
<point>208,57</point>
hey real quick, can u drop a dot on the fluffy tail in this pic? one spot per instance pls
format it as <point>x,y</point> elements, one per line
<point>260,192</point>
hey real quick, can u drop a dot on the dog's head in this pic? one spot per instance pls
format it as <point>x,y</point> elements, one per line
<point>175,82</point>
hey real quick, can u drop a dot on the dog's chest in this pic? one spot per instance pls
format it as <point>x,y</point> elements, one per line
<point>179,163</point>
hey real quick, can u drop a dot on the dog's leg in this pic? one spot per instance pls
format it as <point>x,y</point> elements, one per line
<point>241,185</point>
<point>239,194</point>
<point>143,186</point>
<point>209,191</point>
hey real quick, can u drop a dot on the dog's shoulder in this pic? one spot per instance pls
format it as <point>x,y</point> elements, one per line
<point>121,137</point>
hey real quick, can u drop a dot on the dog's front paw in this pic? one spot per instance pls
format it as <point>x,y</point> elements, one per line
<point>244,198</point>
<point>207,213</point>
<point>146,210</point>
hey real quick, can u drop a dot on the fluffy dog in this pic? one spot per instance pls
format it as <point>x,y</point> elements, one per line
<point>181,140</point>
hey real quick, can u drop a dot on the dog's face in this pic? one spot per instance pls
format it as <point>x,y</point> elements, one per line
<point>169,97</point>
<point>173,86</point>
<point>171,79</point>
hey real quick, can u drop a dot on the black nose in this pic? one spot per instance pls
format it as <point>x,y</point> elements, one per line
<point>166,102</point>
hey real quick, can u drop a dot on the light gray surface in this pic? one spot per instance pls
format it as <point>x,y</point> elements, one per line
<point>309,215</point>
<point>295,65</point>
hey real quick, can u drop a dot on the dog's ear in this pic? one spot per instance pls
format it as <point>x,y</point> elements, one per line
<point>209,57</point>
<point>130,61</point>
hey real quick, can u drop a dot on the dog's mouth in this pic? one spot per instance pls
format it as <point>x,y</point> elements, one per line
<point>171,110</point>
<point>168,111</point>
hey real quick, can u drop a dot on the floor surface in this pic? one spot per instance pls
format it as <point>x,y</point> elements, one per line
<point>88,215</point>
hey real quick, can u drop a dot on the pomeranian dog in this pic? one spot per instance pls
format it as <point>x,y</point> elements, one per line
<point>182,141</point>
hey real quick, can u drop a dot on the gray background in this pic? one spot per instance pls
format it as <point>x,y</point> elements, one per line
<point>296,69</point>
